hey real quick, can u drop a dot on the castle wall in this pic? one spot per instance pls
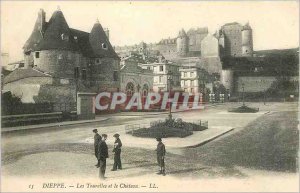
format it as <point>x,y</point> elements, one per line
<point>195,41</point>
<point>210,47</point>
<point>254,84</point>
<point>182,46</point>
<point>247,42</point>
<point>60,63</point>
<point>105,75</point>
<point>169,51</point>
<point>233,40</point>
<point>227,79</point>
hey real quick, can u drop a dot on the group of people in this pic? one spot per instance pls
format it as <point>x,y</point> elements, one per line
<point>101,153</point>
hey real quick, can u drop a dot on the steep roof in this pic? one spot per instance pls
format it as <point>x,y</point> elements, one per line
<point>34,38</point>
<point>53,37</point>
<point>57,34</point>
<point>247,27</point>
<point>182,33</point>
<point>23,73</point>
<point>100,43</point>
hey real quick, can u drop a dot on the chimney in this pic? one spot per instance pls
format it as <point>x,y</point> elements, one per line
<point>42,20</point>
<point>106,30</point>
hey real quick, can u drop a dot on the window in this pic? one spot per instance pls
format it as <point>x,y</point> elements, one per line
<point>161,68</point>
<point>21,65</point>
<point>104,46</point>
<point>37,54</point>
<point>192,90</point>
<point>97,60</point>
<point>192,74</point>
<point>192,83</point>
<point>185,74</point>
<point>83,74</point>
<point>115,76</point>
<point>64,37</point>
<point>76,72</point>
<point>160,79</point>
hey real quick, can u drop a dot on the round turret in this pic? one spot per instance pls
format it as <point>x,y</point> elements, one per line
<point>182,44</point>
<point>227,79</point>
<point>247,41</point>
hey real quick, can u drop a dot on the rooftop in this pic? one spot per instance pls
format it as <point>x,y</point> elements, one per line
<point>56,34</point>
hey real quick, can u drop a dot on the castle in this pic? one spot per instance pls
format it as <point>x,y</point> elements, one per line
<point>233,39</point>
<point>61,61</point>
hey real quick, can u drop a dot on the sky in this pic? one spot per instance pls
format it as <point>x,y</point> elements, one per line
<point>275,24</point>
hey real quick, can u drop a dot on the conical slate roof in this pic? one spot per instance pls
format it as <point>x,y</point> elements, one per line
<point>58,34</point>
<point>35,37</point>
<point>100,43</point>
<point>247,27</point>
<point>182,33</point>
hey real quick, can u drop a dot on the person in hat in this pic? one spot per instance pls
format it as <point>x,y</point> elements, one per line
<point>161,152</point>
<point>102,156</point>
<point>97,139</point>
<point>117,153</point>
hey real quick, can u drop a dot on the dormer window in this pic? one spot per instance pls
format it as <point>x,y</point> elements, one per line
<point>104,46</point>
<point>64,37</point>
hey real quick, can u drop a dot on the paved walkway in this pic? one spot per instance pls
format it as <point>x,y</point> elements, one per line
<point>98,118</point>
<point>54,125</point>
<point>196,139</point>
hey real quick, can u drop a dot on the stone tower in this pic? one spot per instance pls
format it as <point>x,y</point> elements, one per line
<point>182,44</point>
<point>247,41</point>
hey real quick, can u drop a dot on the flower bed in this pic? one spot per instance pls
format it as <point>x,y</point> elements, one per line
<point>167,128</point>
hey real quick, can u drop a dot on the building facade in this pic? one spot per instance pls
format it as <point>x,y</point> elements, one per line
<point>85,62</point>
<point>166,76</point>
<point>134,78</point>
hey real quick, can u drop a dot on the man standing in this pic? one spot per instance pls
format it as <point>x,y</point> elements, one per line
<point>117,153</point>
<point>102,155</point>
<point>161,152</point>
<point>97,139</point>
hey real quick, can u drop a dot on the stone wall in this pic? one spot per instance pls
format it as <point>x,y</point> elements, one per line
<point>27,88</point>
<point>210,46</point>
<point>233,39</point>
<point>60,63</point>
<point>254,83</point>
<point>105,76</point>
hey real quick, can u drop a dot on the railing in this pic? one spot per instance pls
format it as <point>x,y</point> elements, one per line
<point>195,126</point>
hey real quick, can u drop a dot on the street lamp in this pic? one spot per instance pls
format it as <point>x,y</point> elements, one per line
<point>169,88</point>
<point>243,87</point>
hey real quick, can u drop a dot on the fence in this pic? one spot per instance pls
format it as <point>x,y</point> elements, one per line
<point>37,108</point>
<point>198,125</point>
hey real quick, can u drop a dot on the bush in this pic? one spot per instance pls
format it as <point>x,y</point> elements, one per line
<point>244,109</point>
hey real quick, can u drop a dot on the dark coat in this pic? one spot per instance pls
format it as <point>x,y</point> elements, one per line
<point>102,150</point>
<point>161,149</point>
<point>117,145</point>
<point>97,139</point>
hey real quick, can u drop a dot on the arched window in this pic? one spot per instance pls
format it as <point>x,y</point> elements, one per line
<point>129,89</point>
<point>145,90</point>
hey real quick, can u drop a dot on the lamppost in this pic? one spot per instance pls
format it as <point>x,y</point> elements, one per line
<point>265,97</point>
<point>243,95</point>
<point>169,88</point>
